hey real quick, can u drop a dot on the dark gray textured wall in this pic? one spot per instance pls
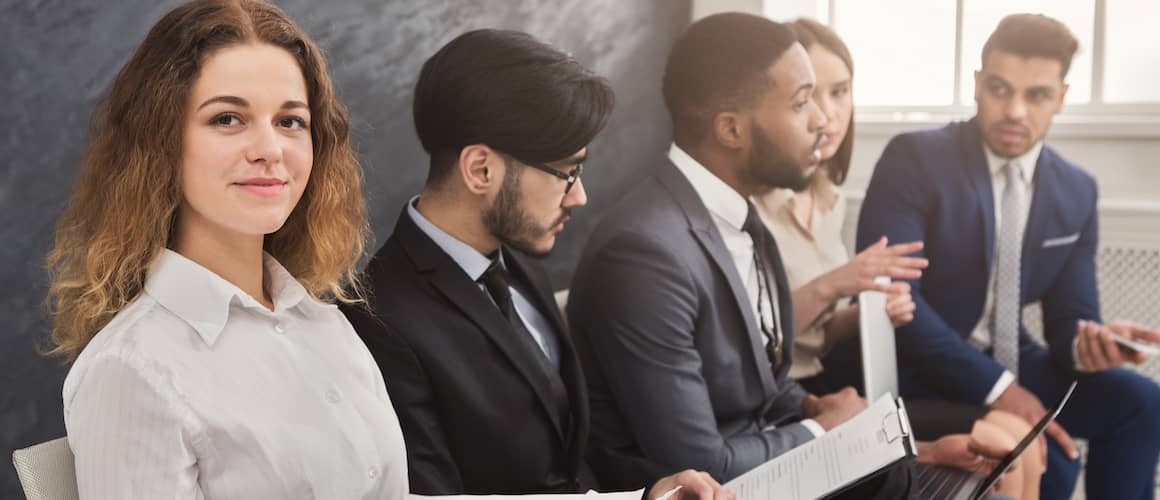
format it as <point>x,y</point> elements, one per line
<point>58,56</point>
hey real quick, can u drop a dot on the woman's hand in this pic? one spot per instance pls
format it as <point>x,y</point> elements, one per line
<point>899,303</point>
<point>877,260</point>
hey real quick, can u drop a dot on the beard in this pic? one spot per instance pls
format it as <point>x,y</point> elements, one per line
<point>510,223</point>
<point>771,167</point>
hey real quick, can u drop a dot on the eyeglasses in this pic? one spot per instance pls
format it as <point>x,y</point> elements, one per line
<point>571,177</point>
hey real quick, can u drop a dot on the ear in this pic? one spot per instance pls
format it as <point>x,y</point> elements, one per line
<point>729,129</point>
<point>480,167</point>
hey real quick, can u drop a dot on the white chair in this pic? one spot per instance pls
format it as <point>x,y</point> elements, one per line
<point>46,471</point>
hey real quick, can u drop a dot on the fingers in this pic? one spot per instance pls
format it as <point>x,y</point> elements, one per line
<point>898,271</point>
<point>1086,348</point>
<point>905,248</point>
<point>1109,348</point>
<point>1064,439</point>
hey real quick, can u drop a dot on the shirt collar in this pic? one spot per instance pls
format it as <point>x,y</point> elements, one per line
<point>1026,161</point>
<point>721,200</point>
<point>826,195</point>
<point>203,299</point>
<point>469,259</point>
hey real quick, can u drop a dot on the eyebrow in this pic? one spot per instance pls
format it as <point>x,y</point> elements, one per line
<point>238,101</point>
<point>805,86</point>
<point>578,158</point>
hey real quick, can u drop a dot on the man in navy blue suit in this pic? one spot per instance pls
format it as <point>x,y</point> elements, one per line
<point>1007,221</point>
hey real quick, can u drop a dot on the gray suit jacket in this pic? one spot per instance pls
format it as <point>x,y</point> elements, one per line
<point>677,372</point>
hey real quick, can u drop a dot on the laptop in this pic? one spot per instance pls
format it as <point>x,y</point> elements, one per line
<point>880,371</point>
<point>958,484</point>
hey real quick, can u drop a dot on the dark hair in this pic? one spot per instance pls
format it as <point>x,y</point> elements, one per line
<point>720,64</point>
<point>810,32</point>
<point>1034,35</point>
<point>511,92</point>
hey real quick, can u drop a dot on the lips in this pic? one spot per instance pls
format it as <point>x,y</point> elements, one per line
<point>262,186</point>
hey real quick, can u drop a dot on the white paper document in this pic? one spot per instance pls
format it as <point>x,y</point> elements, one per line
<point>875,438</point>
<point>591,495</point>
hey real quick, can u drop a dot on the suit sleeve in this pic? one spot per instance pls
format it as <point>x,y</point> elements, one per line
<point>638,310</point>
<point>1073,295</point>
<point>898,201</point>
<point>430,466</point>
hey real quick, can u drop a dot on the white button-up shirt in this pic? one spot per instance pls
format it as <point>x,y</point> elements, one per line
<point>195,390</point>
<point>729,210</point>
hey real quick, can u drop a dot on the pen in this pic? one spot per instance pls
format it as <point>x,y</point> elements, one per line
<point>669,493</point>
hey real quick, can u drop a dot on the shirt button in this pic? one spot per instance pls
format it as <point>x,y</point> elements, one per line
<point>372,472</point>
<point>279,328</point>
<point>333,396</point>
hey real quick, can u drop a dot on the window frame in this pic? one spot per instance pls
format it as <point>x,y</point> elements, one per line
<point>1094,118</point>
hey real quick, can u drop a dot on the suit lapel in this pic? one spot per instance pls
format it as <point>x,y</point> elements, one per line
<point>980,175</point>
<point>1044,201</point>
<point>570,372</point>
<point>702,227</point>
<point>568,379</point>
<point>447,277</point>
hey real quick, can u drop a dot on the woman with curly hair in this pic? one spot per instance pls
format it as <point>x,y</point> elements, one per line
<point>217,218</point>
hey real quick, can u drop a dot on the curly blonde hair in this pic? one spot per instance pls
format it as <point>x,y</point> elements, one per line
<point>122,212</point>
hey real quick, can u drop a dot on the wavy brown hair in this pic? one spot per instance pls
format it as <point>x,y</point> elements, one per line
<point>123,210</point>
<point>809,33</point>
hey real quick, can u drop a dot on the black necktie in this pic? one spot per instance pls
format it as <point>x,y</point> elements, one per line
<point>762,245</point>
<point>495,279</point>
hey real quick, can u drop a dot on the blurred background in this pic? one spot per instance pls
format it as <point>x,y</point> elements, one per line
<point>913,69</point>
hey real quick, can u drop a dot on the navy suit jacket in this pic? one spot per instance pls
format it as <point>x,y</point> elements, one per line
<point>935,186</point>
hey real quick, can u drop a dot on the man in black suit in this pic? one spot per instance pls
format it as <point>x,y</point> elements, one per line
<point>475,354</point>
<point>680,305</point>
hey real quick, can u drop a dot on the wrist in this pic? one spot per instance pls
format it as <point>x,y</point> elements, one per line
<point>826,293</point>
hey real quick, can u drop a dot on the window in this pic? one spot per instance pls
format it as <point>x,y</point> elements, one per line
<point>921,55</point>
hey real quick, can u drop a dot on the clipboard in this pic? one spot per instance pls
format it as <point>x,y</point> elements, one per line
<point>858,449</point>
<point>895,428</point>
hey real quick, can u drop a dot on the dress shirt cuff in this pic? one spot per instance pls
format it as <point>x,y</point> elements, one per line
<point>814,427</point>
<point>1075,356</point>
<point>1001,385</point>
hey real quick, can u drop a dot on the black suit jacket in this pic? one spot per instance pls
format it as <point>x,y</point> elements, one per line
<point>478,417</point>
<point>678,375</point>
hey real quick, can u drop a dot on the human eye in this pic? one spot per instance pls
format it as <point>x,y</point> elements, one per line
<point>293,123</point>
<point>226,120</point>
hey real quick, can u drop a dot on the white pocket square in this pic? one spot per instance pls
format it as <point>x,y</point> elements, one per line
<point>1062,240</point>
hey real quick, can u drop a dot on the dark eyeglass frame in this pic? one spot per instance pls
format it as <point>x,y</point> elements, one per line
<point>570,177</point>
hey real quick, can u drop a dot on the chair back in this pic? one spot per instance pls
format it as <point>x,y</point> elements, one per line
<point>47,471</point>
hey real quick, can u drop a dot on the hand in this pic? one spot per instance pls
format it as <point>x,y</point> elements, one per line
<point>899,304</point>
<point>1097,351</point>
<point>1021,402</point>
<point>831,410</point>
<point>964,452</point>
<point>877,260</point>
<point>694,486</point>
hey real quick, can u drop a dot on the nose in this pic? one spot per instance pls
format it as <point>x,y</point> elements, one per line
<point>1016,109</point>
<point>265,145</point>
<point>818,119</point>
<point>576,197</point>
<point>828,109</point>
